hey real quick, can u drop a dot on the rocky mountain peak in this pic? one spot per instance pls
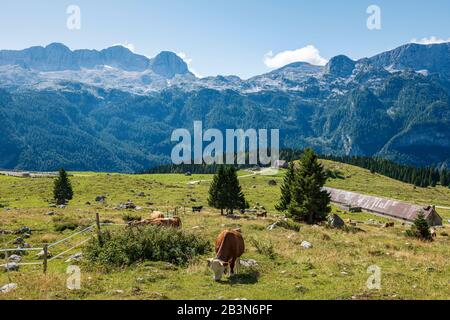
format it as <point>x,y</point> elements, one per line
<point>168,64</point>
<point>340,66</point>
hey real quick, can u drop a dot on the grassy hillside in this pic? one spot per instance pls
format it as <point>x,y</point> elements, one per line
<point>335,268</point>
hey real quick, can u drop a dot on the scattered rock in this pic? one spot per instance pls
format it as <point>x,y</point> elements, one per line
<point>51,213</point>
<point>40,255</point>
<point>23,230</point>
<point>76,257</point>
<point>19,241</point>
<point>88,203</point>
<point>301,288</point>
<point>249,263</point>
<point>128,205</point>
<point>14,258</point>
<point>273,226</point>
<point>100,198</point>
<point>10,266</point>
<point>272,183</point>
<point>306,245</point>
<point>335,221</point>
<point>8,288</point>
<point>232,216</point>
<point>141,194</point>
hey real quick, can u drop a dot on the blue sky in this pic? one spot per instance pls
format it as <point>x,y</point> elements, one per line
<point>226,37</point>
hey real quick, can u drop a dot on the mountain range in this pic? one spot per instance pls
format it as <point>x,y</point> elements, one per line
<point>114,110</point>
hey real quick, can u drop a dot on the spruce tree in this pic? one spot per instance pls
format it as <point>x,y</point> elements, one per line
<point>420,229</point>
<point>217,191</point>
<point>309,202</point>
<point>235,198</point>
<point>62,191</point>
<point>225,191</point>
<point>286,189</point>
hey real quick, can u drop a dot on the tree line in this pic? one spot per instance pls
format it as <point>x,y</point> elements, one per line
<point>418,176</point>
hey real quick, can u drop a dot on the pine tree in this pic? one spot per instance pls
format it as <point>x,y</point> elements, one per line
<point>420,228</point>
<point>225,191</point>
<point>286,189</point>
<point>217,192</point>
<point>235,198</point>
<point>62,191</point>
<point>309,202</point>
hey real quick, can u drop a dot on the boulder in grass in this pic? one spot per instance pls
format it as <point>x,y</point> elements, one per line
<point>335,221</point>
<point>75,258</point>
<point>306,245</point>
<point>14,258</point>
<point>40,255</point>
<point>8,288</point>
<point>10,266</point>
<point>248,263</point>
<point>100,198</point>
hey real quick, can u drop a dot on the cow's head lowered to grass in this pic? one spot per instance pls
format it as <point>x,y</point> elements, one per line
<point>218,267</point>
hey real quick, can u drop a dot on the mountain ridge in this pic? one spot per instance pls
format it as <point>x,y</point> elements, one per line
<point>109,119</point>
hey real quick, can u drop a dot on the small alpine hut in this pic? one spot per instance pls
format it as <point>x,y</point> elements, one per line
<point>385,207</point>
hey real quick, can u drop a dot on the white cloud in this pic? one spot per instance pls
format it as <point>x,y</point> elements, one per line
<point>430,40</point>
<point>308,54</point>
<point>188,60</point>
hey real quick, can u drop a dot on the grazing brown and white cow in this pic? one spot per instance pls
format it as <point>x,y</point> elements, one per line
<point>229,248</point>
<point>174,222</point>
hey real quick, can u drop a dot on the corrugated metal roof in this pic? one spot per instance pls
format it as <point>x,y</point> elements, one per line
<point>389,207</point>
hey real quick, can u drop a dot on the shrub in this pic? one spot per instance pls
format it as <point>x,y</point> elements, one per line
<point>131,245</point>
<point>420,229</point>
<point>63,224</point>
<point>264,247</point>
<point>129,217</point>
<point>289,225</point>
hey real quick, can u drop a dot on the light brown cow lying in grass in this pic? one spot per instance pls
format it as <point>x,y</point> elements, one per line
<point>159,222</point>
<point>157,215</point>
<point>229,248</point>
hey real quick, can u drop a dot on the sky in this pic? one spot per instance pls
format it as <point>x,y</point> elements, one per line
<point>238,37</point>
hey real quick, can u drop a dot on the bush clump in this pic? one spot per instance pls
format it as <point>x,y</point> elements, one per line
<point>264,247</point>
<point>289,225</point>
<point>129,217</point>
<point>62,224</point>
<point>131,245</point>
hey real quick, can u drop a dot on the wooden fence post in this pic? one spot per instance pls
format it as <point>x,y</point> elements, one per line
<point>99,231</point>
<point>45,249</point>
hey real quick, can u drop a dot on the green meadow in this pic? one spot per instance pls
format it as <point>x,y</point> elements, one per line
<point>336,267</point>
